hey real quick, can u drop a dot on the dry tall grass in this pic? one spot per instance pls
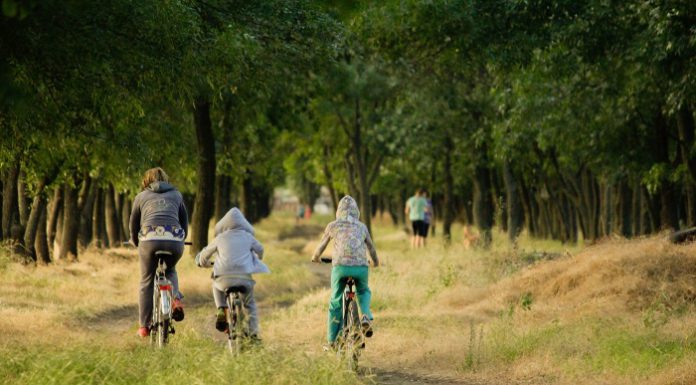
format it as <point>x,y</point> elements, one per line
<point>618,312</point>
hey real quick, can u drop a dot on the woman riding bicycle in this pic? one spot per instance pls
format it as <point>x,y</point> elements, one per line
<point>351,239</point>
<point>158,222</point>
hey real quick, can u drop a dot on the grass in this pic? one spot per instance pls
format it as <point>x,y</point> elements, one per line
<point>191,359</point>
<point>618,312</point>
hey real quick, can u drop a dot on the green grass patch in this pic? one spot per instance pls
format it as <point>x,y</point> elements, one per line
<point>188,360</point>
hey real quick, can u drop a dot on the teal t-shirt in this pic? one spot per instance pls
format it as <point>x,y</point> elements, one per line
<point>416,208</point>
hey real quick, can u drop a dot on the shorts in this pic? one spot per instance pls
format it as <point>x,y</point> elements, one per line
<point>426,228</point>
<point>419,228</point>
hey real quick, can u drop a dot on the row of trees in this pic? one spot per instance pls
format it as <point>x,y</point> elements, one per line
<point>561,118</point>
<point>94,94</point>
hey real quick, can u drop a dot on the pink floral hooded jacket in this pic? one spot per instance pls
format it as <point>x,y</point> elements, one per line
<point>351,238</point>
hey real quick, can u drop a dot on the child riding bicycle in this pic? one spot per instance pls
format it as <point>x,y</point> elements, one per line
<point>239,256</point>
<point>351,239</point>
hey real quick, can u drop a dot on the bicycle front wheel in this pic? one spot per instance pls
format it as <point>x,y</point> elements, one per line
<point>353,335</point>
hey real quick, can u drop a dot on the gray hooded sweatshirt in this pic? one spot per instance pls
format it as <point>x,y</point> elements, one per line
<point>238,252</point>
<point>160,204</point>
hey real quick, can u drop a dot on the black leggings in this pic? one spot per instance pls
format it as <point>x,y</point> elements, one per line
<point>148,267</point>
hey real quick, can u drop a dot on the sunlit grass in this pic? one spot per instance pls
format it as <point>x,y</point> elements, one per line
<point>618,312</point>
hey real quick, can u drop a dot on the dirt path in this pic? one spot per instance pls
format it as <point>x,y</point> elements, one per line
<point>120,320</point>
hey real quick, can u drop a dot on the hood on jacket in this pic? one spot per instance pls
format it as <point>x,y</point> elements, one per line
<point>347,207</point>
<point>233,220</point>
<point>160,187</point>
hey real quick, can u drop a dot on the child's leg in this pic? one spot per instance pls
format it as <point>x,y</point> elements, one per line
<point>219,297</point>
<point>250,305</point>
<point>338,283</point>
<point>360,275</point>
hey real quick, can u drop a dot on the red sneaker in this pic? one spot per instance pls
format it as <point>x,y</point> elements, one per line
<point>178,310</point>
<point>144,332</point>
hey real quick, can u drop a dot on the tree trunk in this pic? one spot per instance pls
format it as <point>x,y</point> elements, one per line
<point>626,209</point>
<point>113,225</point>
<point>329,177</point>
<point>126,206</point>
<point>203,205</point>
<point>9,200</point>
<point>515,212</point>
<point>41,240</point>
<point>53,217</point>
<point>686,127</point>
<point>38,209</point>
<point>22,200</point>
<point>448,203</point>
<point>98,225</point>
<point>118,210</point>
<point>71,217</point>
<point>85,232</point>
<point>483,204</point>
<point>668,197</point>
<point>223,201</point>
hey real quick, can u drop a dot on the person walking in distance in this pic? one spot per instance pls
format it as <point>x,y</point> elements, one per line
<point>158,222</point>
<point>415,209</point>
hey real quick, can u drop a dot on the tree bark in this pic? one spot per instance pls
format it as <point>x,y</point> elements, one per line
<point>483,203</point>
<point>126,206</point>
<point>22,200</point>
<point>71,216</point>
<point>448,203</point>
<point>203,205</point>
<point>98,225</point>
<point>41,241</point>
<point>626,209</point>
<point>223,201</point>
<point>85,232</point>
<point>515,212</point>
<point>668,202</point>
<point>686,128</point>
<point>38,208</point>
<point>56,205</point>
<point>113,225</point>
<point>329,177</point>
<point>9,200</point>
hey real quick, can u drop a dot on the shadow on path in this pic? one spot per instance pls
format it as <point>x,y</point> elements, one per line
<point>386,377</point>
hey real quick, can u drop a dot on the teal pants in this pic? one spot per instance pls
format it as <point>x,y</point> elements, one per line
<point>339,276</point>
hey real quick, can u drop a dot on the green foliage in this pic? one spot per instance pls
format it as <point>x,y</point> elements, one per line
<point>190,358</point>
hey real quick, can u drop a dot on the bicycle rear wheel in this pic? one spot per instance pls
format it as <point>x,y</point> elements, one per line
<point>352,335</point>
<point>164,310</point>
<point>234,342</point>
<point>154,324</point>
<point>163,333</point>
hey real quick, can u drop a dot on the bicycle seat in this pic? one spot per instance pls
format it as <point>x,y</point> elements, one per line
<point>236,289</point>
<point>162,253</point>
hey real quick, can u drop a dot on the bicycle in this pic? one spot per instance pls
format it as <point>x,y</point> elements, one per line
<point>351,339</point>
<point>237,328</point>
<point>161,326</point>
